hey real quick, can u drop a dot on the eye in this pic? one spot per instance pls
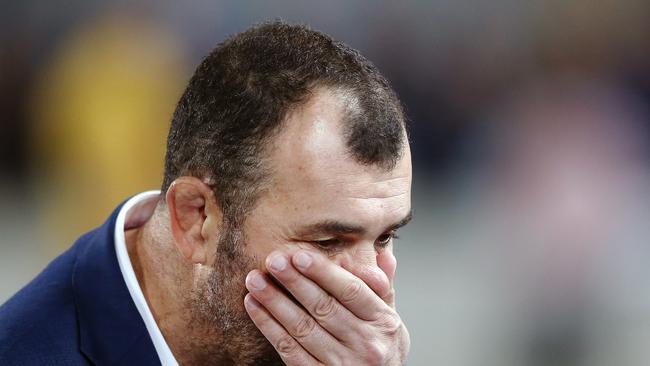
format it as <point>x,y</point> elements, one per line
<point>328,246</point>
<point>325,243</point>
<point>386,238</point>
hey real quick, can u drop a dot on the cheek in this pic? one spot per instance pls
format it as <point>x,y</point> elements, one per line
<point>262,249</point>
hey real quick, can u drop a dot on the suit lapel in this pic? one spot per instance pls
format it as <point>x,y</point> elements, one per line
<point>111,329</point>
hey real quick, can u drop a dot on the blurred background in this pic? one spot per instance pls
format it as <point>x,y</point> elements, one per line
<point>529,126</point>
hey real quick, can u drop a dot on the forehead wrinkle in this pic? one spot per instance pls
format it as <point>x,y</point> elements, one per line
<point>360,181</point>
<point>380,197</point>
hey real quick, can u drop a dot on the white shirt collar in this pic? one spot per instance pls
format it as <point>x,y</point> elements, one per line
<point>134,213</point>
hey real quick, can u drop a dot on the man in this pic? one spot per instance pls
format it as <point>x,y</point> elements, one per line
<point>287,175</point>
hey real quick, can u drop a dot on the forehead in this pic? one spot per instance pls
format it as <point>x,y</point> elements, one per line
<point>312,168</point>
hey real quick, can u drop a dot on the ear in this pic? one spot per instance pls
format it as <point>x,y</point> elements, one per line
<point>195,218</point>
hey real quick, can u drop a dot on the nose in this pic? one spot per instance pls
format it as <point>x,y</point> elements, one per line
<point>363,260</point>
<point>362,254</point>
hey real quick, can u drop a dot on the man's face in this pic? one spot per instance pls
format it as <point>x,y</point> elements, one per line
<point>320,199</point>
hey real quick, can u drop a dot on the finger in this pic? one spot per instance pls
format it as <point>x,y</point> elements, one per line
<point>287,347</point>
<point>324,308</point>
<point>348,289</point>
<point>295,320</point>
<point>388,264</point>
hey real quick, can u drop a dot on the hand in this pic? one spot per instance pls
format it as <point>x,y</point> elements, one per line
<point>345,319</point>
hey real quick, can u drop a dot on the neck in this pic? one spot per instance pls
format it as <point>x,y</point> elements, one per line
<point>158,290</point>
<point>161,271</point>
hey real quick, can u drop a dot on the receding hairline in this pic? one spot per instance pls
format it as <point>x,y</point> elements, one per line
<point>348,100</point>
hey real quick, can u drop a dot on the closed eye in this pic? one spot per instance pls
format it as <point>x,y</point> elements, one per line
<point>327,242</point>
<point>386,238</point>
<point>382,241</point>
<point>329,246</point>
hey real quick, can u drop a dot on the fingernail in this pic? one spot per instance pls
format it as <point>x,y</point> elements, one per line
<point>250,302</point>
<point>302,260</point>
<point>255,281</point>
<point>278,262</point>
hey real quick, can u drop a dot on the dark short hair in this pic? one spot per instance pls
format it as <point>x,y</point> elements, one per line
<point>239,95</point>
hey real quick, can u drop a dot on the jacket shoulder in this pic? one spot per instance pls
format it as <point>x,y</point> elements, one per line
<point>38,325</point>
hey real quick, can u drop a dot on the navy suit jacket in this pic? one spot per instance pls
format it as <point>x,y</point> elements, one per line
<point>78,311</point>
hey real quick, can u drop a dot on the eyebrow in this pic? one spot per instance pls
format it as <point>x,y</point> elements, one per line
<point>333,227</point>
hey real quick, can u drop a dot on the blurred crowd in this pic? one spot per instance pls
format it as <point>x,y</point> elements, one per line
<point>529,123</point>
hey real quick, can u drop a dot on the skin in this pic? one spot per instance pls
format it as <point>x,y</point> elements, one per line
<point>316,256</point>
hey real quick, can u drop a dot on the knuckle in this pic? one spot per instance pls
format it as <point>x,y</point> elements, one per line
<point>286,346</point>
<point>375,353</point>
<point>390,324</point>
<point>304,327</point>
<point>325,307</point>
<point>390,294</point>
<point>351,292</point>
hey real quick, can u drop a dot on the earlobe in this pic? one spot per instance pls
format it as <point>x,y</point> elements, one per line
<point>192,213</point>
